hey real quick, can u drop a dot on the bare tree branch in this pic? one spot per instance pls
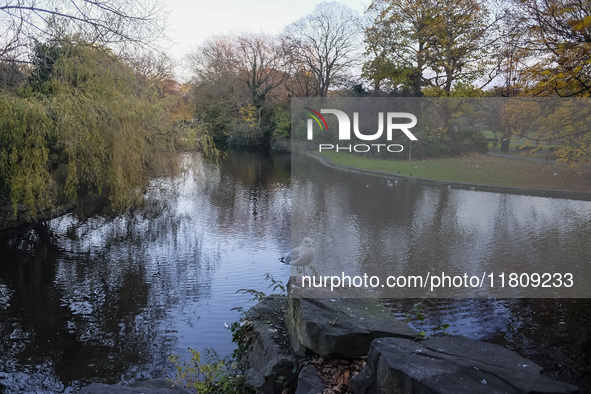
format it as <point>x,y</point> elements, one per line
<point>322,45</point>
<point>99,21</point>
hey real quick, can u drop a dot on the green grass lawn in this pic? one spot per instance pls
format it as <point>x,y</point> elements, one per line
<point>478,168</point>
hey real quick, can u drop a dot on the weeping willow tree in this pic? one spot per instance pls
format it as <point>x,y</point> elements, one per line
<point>85,124</point>
<point>24,172</point>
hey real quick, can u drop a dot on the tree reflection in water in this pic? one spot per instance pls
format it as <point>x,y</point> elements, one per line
<point>110,298</point>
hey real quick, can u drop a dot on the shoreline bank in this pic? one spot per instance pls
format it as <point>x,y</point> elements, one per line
<point>529,191</point>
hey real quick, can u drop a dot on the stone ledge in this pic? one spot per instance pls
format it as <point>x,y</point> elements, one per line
<point>449,365</point>
<point>268,362</point>
<point>340,327</point>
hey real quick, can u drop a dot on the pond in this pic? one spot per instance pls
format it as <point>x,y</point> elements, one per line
<point>109,299</point>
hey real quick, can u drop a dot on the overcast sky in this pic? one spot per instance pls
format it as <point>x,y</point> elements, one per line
<point>192,21</point>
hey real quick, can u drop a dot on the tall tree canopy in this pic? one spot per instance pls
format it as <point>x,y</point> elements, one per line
<point>320,47</point>
<point>86,123</point>
<point>561,39</point>
<point>430,43</point>
<point>235,77</point>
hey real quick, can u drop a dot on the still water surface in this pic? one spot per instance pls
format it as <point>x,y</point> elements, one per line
<point>369,224</point>
<point>110,299</point>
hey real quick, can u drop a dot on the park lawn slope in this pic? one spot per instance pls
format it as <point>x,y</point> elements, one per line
<point>479,169</point>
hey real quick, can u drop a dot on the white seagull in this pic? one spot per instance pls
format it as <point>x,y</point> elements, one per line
<point>302,255</point>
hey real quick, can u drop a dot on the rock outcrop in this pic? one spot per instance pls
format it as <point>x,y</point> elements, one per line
<point>309,382</point>
<point>269,364</point>
<point>340,327</point>
<point>449,365</point>
<point>285,334</point>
